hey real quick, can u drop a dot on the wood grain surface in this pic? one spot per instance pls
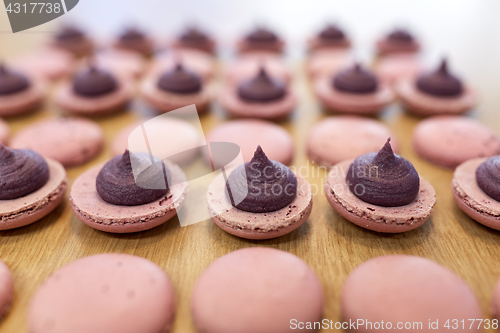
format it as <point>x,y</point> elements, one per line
<point>328,243</point>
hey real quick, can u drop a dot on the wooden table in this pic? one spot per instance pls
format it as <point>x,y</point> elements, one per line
<point>328,243</point>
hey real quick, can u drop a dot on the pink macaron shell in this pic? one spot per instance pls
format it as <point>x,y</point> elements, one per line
<point>6,290</point>
<point>247,67</point>
<point>408,289</point>
<point>373,217</point>
<point>326,62</point>
<point>4,132</point>
<point>25,210</point>
<point>396,67</point>
<point>104,293</point>
<point>250,133</point>
<point>101,215</point>
<point>196,61</point>
<point>359,104</point>
<point>123,63</point>
<point>23,102</point>
<point>421,104</point>
<point>450,140</point>
<point>256,290</point>
<point>258,225</point>
<point>178,136</point>
<point>471,199</point>
<point>238,108</point>
<point>339,138</point>
<point>48,62</point>
<point>113,102</point>
<point>70,141</point>
<point>163,101</point>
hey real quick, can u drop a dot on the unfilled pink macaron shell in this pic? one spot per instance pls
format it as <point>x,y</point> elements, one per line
<point>171,138</point>
<point>70,141</point>
<point>340,138</point>
<point>450,140</point>
<point>4,132</point>
<point>407,289</point>
<point>256,290</point>
<point>105,293</point>
<point>6,289</point>
<point>250,133</point>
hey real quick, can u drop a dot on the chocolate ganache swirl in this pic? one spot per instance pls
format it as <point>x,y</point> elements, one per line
<point>132,35</point>
<point>268,185</point>
<point>94,82</point>
<point>21,172</point>
<point>383,178</point>
<point>261,88</point>
<point>440,82</point>
<point>332,33</point>
<point>70,33</point>
<point>116,184</point>
<point>400,36</point>
<point>12,82</point>
<point>262,35</point>
<point>488,177</point>
<point>355,80</point>
<point>180,81</point>
<point>194,35</point>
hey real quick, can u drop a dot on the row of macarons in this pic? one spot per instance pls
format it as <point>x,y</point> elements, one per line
<point>255,289</point>
<point>261,199</point>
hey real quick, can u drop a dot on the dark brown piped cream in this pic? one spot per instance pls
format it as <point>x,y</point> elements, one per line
<point>116,184</point>
<point>21,172</point>
<point>262,35</point>
<point>440,82</point>
<point>194,35</point>
<point>94,82</point>
<point>132,35</point>
<point>270,185</point>
<point>180,80</point>
<point>383,178</point>
<point>70,34</point>
<point>355,80</point>
<point>332,33</point>
<point>488,177</point>
<point>12,82</point>
<point>400,36</point>
<point>261,89</point>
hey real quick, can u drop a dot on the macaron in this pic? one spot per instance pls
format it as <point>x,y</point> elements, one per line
<point>396,67</point>
<point>178,137</point>
<point>32,187</point>
<point>340,138</point>
<point>353,90</point>
<point>261,39</point>
<point>380,191</point>
<point>135,40</point>
<point>330,37</point>
<point>247,67</point>
<point>448,141</point>
<point>70,141</point>
<point>250,133</point>
<point>20,93</point>
<point>398,41</point>
<point>104,293</point>
<point>475,187</point>
<point>121,62</point>
<point>261,96</point>
<point>194,60</point>
<point>74,40</point>
<point>94,91</point>
<point>6,290</point>
<point>415,293</point>
<point>193,37</point>
<point>107,197</point>
<point>256,289</point>
<point>50,63</point>
<point>4,132</point>
<point>261,199</point>
<point>436,92</point>
<point>174,88</point>
<point>328,61</point>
